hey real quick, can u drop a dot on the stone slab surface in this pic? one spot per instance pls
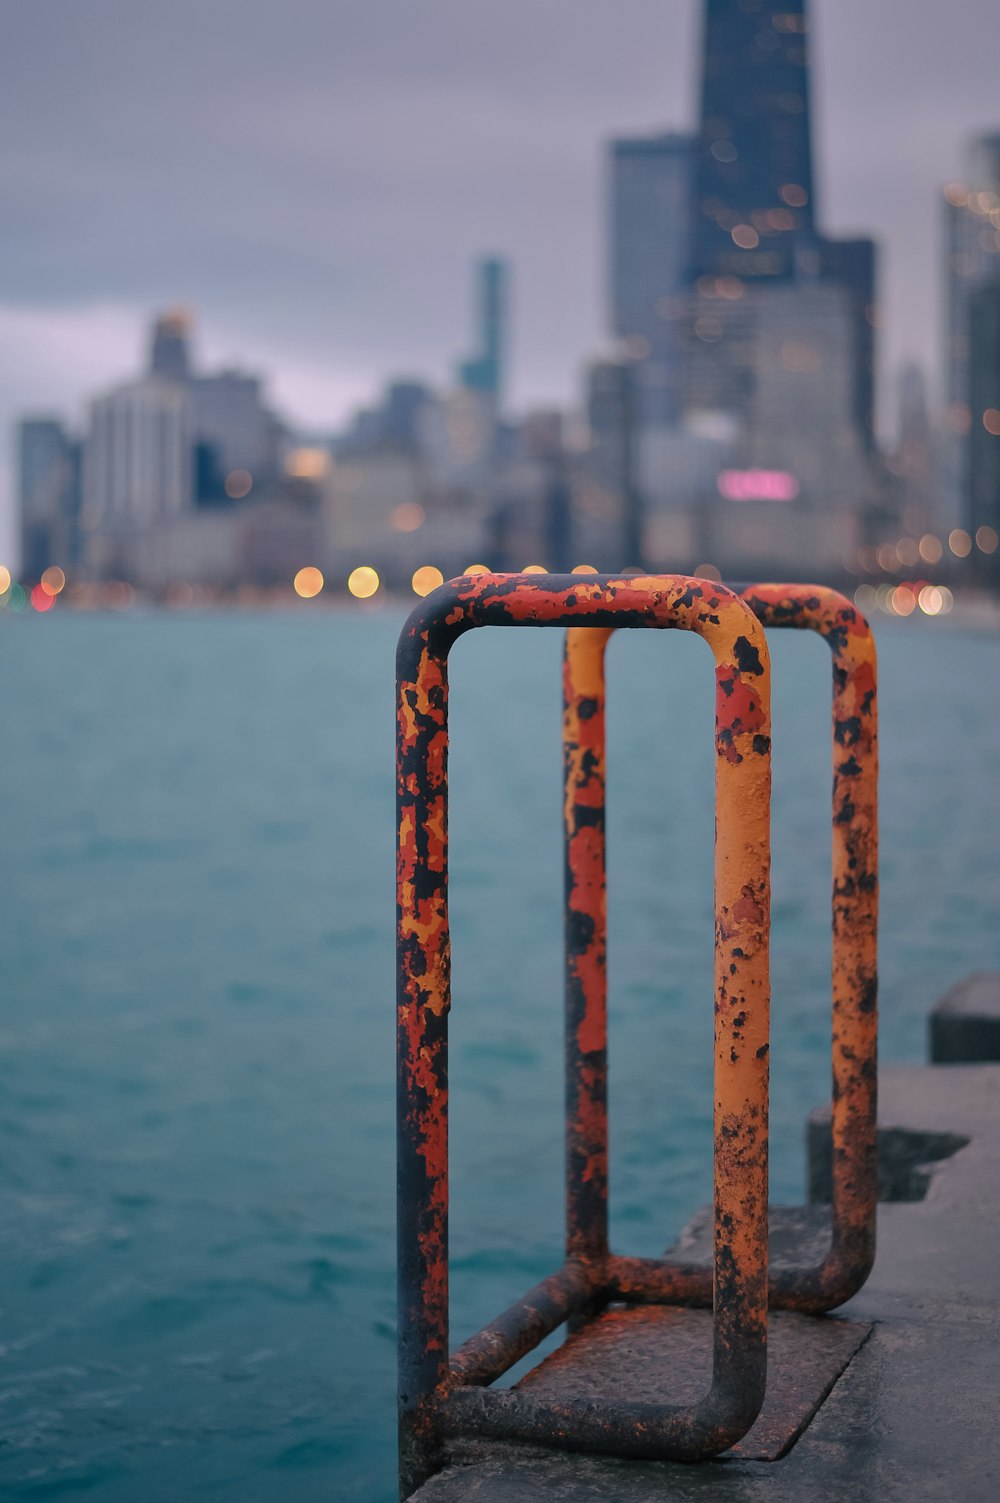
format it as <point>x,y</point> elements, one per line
<point>657,1353</point>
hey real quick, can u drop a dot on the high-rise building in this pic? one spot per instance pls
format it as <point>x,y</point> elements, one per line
<point>754,211</point>
<point>613,508</point>
<point>852,263</point>
<point>483,371</point>
<point>972,262</point>
<point>138,466</point>
<point>650,192</point>
<point>48,475</point>
<point>168,350</point>
<point>972,250</point>
<point>983,462</point>
<point>775,307</point>
<point>235,435</point>
<point>650,198</point>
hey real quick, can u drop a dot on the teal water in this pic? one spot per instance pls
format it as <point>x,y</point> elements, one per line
<point>196,1105</point>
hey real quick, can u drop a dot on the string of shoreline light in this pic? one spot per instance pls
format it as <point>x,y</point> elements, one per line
<point>906,597</point>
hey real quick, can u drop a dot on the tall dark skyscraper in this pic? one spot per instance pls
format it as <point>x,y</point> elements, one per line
<point>754,208</point>
<point>754,223</point>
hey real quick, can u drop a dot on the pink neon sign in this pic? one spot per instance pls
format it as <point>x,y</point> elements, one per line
<point>758,485</point>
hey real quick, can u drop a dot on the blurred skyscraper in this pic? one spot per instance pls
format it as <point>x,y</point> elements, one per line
<point>483,371</point>
<point>754,200</point>
<point>650,191</point>
<point>168,349</point>
<point>137,471</point>
<point>754,213</point>
<point>983,464</point>
<point>972,264</point>
<point>48,494</point>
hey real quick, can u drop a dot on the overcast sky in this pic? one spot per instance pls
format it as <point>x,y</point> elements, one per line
<point>315,176</point>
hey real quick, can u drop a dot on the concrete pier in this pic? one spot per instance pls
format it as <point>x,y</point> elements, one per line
<point>913,1413</point>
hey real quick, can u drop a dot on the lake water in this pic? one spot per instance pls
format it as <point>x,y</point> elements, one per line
<point>196,1100</point>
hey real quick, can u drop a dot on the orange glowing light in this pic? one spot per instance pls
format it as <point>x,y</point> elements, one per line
<point>41,599</point>
<point>4,579</point>
<point>239,483</point>
<point>363,582</point>
<point>426,579</point>
<point>745,236</point>
<point>960,542</point>
<point>930,549</point>
<point>991,421</point>
<point>409,517</point>
<point>53,581</point>
<point>534,569</point>
<point>987,539</point>
<point>584,569</point>
<point>477,569</point>
<point>308,582</point>
<point>307,464</point>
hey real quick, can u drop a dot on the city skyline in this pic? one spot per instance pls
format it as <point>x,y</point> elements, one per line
<point>62,346</point>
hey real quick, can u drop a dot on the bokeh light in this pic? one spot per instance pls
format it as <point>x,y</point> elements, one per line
<point>53,581</point>
<point>41,600</point>
<point>903,600</point>
<point>708,571</point>
<point>4,579</point>
<point>409,517</point>
<point>986,539</point>
<point>239,483</point>
<point>907,551</point>
<point>426,579</point>
<point>308,463</point>
<point>363,582</point>
<point>308,582</point>
<point>534,569</point>
<point>584,569</point>
<point>991,421</point>
<point>745,236</point>
<point>866,598</point>
<point>931,600</point>
<point>960,542</point>
<point>930,548</point>
<point>119,595</point>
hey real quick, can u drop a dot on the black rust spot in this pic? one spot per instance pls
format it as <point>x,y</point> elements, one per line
<point>747,657</point>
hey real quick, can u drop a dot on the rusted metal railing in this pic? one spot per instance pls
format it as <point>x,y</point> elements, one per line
<point>439,1395</point>
<point>855,901</point>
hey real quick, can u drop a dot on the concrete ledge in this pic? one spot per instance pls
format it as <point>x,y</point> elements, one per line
<point>965,1025</point>
<point>914,1415</point>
